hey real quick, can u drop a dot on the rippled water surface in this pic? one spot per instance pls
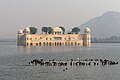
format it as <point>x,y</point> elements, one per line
<point>13,61</point>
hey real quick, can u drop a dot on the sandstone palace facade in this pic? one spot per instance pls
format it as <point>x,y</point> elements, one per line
<point>57,38</point>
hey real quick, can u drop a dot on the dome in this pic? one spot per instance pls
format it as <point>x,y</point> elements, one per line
<point>87,30</point>
<point>57,29</point>
<point>27,29</point>
<point>20,31</point>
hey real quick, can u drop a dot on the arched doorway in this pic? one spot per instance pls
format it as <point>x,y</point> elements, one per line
<point>50,44</point>
<point>55,44</point>
<point>75,43</point>
<point>46,43</point>
<point>71,43</point>
<point>36,44</point>
<point>60,43</point>
<point>43,43</point>
<point>68,43</point>
<point>65,43</point>
<point>39,43</point>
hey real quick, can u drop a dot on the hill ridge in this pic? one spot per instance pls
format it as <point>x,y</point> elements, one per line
<point>105,25</point>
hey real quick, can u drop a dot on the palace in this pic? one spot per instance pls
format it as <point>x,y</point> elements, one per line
<point>57,38</point>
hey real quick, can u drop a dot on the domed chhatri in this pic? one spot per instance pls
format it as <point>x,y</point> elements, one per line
<point>87,30</point>
<point>27,30</point>
<point>20,31</point>
<point>57,30</point>
<point>55,38</point>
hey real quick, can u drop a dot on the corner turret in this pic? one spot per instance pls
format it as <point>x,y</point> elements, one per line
<point>20,33</point>
<point>87,30</point>
<point>87,37</point>
<point>27,30</point>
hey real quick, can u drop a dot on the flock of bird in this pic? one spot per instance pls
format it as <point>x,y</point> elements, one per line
<point>72,62</point>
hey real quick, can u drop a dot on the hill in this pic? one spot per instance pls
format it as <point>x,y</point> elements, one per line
<point>105,25</point>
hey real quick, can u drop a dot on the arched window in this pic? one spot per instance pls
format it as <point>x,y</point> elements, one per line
<point>39,43</point>
<point>27,44</point>
<point>65,43</point>
<point>55,43</point>
<point>71,43</point>
<point>36,44</point>
<point>60,43</point>
<point>75,43</point>
<point>27,38</point>
<point>43,43</point>
<point>31,44</point>
<point>68,43</point>
<point>46,43</point>
<point>50,44</point>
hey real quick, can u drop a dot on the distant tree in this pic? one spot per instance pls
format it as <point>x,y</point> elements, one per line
<point>50,30</point>
<point>63,29</point>
<point>44,29</point>
<point>75,30</point>
<point>47,30</point>
<point>33,30</point>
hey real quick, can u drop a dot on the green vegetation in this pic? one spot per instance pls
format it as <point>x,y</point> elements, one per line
<point>44,29</point>
<point>33,30</point>
<point>75,30</point>
<point>50,30</point>
<point>47,30</point>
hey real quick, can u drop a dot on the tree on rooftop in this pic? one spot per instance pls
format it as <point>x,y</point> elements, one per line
<point>50,30</point>
<point>75,30</point>
<point>33,30</point>
<point>44,29</point>
<point>47,30</point>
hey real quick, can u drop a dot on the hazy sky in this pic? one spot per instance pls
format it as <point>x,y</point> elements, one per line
<point>15,14</point>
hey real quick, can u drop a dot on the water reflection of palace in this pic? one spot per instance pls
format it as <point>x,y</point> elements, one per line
<point>57,38</point>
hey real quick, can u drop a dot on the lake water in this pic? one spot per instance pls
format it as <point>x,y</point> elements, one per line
<point>13,59</point>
